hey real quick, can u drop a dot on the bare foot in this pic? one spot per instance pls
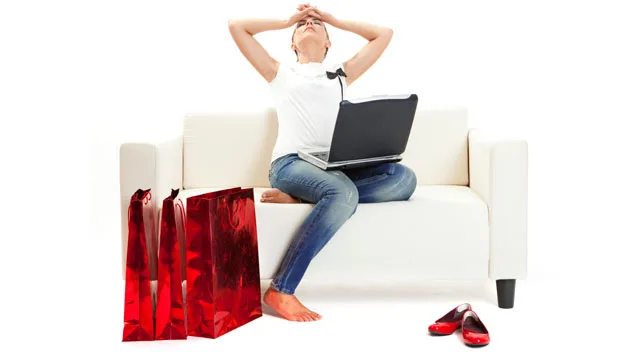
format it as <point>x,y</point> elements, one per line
<point>289,306</point>
<point>275,195</point>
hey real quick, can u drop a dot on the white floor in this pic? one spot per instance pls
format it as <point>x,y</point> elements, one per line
<point>396,319</point>
<point>572,298</point>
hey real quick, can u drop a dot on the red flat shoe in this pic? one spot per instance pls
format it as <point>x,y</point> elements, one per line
<point>474,332</point>
<point>449,322</point>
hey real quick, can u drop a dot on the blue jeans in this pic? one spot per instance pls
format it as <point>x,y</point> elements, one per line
<point>336,195</point>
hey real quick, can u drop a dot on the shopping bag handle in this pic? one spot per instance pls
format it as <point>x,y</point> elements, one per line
<point>183,213</point>
<point>146,199</point>
<point>241,223</point>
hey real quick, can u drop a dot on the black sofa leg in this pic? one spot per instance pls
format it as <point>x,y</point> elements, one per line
<point>505,293</point>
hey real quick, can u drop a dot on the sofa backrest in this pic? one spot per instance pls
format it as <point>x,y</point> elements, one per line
<point>233,148</point>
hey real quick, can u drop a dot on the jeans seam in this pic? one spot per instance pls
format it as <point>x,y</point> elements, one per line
<point>296,247</point>
<point>280,288</point>
<point>298,244</point>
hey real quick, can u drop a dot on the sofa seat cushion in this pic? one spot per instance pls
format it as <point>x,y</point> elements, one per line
<point>441,232</point>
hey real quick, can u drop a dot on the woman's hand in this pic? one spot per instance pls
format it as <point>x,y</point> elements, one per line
<point>301,7</point>
<point>324,16</point>
<point>302,12</point>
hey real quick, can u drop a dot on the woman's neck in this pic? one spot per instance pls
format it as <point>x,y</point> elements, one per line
<point>307,59</point>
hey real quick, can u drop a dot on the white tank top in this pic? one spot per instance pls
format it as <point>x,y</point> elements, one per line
<point>307,103</point>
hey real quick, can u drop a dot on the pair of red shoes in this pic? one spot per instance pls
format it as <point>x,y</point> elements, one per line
<point>474,333</point>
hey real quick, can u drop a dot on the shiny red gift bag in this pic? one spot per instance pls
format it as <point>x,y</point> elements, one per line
<point>223,277</point>
<point>170,315</point>
<point>138,307</point>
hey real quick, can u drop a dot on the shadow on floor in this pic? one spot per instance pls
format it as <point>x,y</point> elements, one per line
<point>479,290</point>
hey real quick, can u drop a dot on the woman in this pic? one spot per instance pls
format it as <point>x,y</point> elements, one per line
<point>307,101</point>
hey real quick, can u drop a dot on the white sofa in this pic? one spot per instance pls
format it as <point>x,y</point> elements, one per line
<point>467,218</point>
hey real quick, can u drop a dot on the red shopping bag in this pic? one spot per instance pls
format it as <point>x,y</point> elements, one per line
<point>138,307</point>
<point>170,317</point>
<point>223,277</point>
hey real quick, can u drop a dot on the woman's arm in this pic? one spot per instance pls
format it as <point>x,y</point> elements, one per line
<point>254,26</point>
<point>378,37</point>
<point>243,31</point>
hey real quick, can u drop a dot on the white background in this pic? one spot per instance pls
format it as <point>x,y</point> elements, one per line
<point>78,78</point>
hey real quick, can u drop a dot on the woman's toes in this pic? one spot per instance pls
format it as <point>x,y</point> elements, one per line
<point>271,193</point>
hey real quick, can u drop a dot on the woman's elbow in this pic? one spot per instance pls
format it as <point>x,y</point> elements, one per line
<point>384,34</point>
<point>234,23</point>
<point>235,27</point>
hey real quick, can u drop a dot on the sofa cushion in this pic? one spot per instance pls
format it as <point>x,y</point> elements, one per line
<point>234,147</point>
<point>441,232</point>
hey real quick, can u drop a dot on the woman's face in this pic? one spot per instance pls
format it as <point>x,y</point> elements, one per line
<point>310,30</point>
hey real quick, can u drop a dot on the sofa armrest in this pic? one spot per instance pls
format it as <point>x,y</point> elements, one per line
<point>157,166</point>
<point>498,174</point>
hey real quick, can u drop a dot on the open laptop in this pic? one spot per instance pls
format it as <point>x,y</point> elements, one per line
<point>368,131</point>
